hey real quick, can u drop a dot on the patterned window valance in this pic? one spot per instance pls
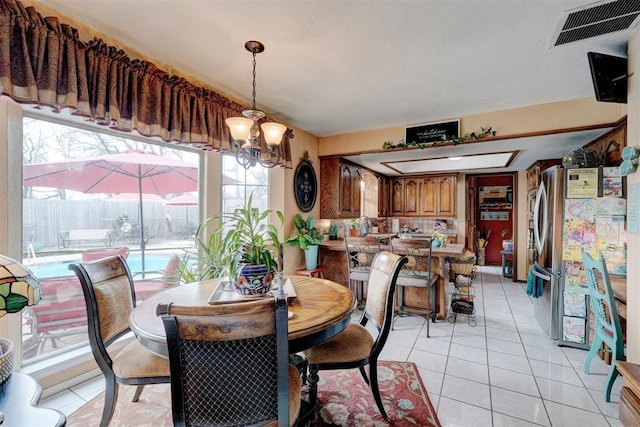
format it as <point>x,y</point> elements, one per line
<point>43,62</point>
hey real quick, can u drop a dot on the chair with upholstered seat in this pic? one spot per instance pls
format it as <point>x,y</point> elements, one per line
<point>356,347</point>
<point>230,364</point>
<point>110,298</point>
<point>416,273</point>
<point>606,328</point>
<point>360,253</point>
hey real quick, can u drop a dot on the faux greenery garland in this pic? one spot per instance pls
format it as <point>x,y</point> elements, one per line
<point>388,145</point>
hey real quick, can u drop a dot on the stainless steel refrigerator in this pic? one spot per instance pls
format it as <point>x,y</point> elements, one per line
<point>547,231</point>
<point>575,209</point>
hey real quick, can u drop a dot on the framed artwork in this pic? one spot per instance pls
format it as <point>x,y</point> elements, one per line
<point>305,184</point>
<point>494,216</point>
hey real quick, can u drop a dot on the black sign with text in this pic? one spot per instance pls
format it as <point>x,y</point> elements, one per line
<point>431,132</point>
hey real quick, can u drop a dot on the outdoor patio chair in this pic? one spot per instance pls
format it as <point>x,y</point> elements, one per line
<point>95,254</point>
<point>230,364</point>
<point>146,286</point>
<point>110,298</point>
<point>355,347</point>
<point>60,313</point>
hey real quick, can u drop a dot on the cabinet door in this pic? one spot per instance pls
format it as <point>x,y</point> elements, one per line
<point>383,196</point>
<point>429,196</point>
<point>411,196</point>
<point>356,192</point>
<point>347,178</point>
<point>447,195</point>
<point>397,196</point>
<point>329,188</point>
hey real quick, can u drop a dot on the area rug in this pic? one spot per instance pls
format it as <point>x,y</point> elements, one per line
<point>345,400</point>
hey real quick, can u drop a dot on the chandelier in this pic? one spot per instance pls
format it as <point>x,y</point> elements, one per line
<point>245,131</point>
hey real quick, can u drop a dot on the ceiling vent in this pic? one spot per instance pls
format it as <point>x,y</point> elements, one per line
<point>596,19</point>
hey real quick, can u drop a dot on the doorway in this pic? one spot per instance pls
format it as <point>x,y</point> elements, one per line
<point>492,215</point>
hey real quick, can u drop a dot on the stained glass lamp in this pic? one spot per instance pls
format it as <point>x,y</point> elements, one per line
<point>18,289</point>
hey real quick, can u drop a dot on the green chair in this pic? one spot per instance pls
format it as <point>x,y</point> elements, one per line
<point>607,327</point>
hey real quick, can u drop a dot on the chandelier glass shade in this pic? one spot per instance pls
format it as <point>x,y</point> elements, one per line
<point>245,130</point>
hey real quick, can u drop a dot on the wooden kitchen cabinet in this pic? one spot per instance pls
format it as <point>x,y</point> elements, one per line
<point>438,196</point>
<point>411,196</point>
<point>396,196</point>
<point>339,189</point>
<point>383,196</point>
<point>446,195</point>
<point>405,196</point>
<point>330,188</point>
<point>350,177</point>
<point>426,196</point>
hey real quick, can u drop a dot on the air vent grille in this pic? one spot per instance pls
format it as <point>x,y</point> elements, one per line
<point>603,18</point>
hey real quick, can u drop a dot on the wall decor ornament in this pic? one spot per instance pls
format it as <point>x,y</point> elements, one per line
<point>453,139</point>
<point>305,184</point>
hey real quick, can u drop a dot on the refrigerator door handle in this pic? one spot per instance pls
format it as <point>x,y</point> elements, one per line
<point>544,277</point>
<point>540,206</point>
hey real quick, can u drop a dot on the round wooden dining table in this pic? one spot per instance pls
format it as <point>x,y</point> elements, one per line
<point>320,310</point>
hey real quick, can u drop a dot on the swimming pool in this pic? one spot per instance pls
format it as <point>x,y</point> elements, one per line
<point>152,262</point>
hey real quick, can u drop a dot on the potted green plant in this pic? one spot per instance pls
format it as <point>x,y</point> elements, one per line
<point>333,232</point>
<point>259,247</point>
<point>307,237</point>
<point>354,231</point>
<point>213,256</point>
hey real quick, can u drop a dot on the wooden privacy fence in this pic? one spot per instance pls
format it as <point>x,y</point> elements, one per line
<point>44,219</point>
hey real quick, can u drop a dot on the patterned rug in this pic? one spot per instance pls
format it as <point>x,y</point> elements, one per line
<point>344,397</point>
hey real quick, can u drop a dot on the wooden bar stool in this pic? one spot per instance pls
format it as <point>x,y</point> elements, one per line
<point>316,272</point>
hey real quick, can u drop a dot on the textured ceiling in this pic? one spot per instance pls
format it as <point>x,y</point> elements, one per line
<point>333,67</point>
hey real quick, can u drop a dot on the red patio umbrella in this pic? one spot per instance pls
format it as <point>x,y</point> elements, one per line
<point>130,171</point>
<point>186,199</point>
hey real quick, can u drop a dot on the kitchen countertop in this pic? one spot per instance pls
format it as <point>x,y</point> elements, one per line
<point>451,249</point>
<point>423,235</point>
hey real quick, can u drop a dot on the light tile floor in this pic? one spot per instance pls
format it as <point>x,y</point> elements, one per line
<point>502,372</point>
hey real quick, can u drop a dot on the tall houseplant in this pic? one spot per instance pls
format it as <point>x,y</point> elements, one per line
<point>258,244</point>
<point>307,238</point>
<point>213,256</point>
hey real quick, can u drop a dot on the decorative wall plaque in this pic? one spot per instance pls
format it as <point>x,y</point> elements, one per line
<point>305,184</point>
<point>431,132</point>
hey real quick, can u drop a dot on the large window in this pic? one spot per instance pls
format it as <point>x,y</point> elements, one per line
<point>88,194</point>
<point>239,183</point>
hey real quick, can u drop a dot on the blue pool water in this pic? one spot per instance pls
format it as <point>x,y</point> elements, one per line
<point>152,262</point>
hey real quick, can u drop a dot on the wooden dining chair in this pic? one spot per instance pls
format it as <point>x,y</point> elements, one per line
<point>230,364</point>
<point>356,347</point>
<point>606,329</point>
<point>110,298</point>
<point>360,254</point>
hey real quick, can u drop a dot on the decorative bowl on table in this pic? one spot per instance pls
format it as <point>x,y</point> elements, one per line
<point>6,359</point>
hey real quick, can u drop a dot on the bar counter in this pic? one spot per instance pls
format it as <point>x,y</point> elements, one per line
<point>334,258</point>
